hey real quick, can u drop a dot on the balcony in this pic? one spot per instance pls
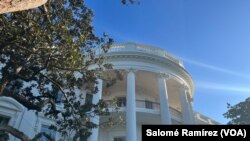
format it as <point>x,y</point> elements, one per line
<point>144,104</point>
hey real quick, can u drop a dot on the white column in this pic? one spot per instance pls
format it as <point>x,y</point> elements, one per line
<point>163,92</point>
<point>95,100</point>
<point>187,112</point>
<point>131,134</point>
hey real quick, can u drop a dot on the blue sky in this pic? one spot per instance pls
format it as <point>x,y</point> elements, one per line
<point>211,36</point>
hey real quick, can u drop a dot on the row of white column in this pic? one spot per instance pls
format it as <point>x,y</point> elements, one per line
<point>131,134</point>
<point>186,106</point>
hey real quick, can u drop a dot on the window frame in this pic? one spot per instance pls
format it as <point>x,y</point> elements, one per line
<point>42,120</point>
<point>5,117</point>
<point>119,138</point>
<point>149,104</point>
<point>47,128</point>
<point>121,101</point>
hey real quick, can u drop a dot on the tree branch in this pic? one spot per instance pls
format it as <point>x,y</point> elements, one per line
<point>60,88</point>
<point>16,133</point>
<point>25,102</point>
<point>40,135</point>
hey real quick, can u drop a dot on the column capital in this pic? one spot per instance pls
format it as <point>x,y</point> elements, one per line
<point>131,70</point>
<point>164,75</point>
<point>186,107</point>
<point>185,87</point>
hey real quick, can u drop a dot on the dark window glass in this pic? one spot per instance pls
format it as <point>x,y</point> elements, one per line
<point>59,98</point>
<point>89,98</point>
<point>123,138</point>
<point>50,132</point>
<point>3,121</point>
<point>149,104</point>
<point>121,101</point>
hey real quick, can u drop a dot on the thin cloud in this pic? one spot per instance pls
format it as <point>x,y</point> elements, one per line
<point>216,86</point>
<point>215,68</point>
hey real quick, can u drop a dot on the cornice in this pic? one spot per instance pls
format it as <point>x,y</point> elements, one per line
<point>182,75</point>
<point>140,48</point>
<point>149,54</point>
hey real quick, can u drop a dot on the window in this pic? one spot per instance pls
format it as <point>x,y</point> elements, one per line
<point>4,120</point>
<point>46,129</point>
<point>149,104</point>
<point>123,138</point>
<point>59,98</point>
<point>121,101</point>
<point>89,98</point>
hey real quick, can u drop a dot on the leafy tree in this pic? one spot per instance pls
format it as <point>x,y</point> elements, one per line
<point>239,113</point>
<point>49,52</point>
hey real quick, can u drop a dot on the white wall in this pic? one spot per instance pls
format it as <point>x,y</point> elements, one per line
<point>22,119</point>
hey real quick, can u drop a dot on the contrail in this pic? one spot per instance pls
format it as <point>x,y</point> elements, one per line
<point>216,86</point>
<point>215,68</point>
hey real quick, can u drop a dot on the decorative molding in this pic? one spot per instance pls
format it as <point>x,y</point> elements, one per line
<point>15,118</point>
<point>139,54</point>
<point>135,47</point>
<point>131,70</point>
<point>180,72</point>
<point>164,75</point>
<point>185,88</point>
<point>15,105</point>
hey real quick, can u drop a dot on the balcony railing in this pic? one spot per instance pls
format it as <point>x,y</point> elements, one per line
<point>175,112</point>
<point>143,104</point>
<point>147,104</point>
<point>142,48</point>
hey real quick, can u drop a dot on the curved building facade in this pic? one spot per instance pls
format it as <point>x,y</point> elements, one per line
<point>156,89</point>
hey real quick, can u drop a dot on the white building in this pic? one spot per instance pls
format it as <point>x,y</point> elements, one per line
<point>156,90</point>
